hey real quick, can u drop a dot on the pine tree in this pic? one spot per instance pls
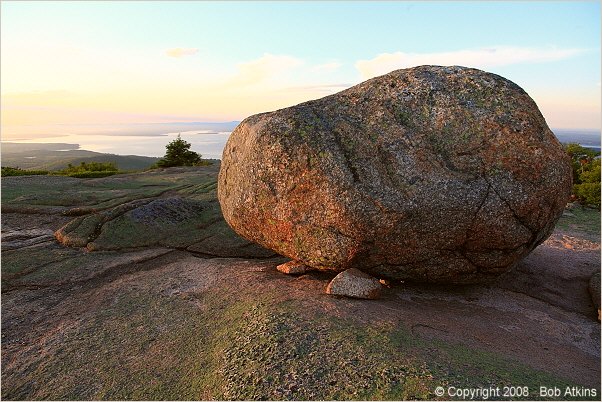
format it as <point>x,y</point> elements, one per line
<point>179,154</point>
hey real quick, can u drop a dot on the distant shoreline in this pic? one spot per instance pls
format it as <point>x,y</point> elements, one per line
<point>206,140</point>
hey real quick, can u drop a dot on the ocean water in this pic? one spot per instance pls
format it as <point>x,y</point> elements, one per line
<point>209,144</point>
<point>209,139</point>
<point>587,138</point>
<point>145,139</point>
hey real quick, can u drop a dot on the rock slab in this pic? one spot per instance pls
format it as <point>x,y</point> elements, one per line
<point>437,174</point>
<point>354,283</point>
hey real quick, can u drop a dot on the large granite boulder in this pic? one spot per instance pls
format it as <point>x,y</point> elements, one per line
<point>441,174</point>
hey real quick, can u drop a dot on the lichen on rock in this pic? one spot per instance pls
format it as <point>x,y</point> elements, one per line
<point>440,174</point>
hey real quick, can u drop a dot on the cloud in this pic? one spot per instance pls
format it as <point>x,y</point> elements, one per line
<point>266,68</point>
<point>326,67</point>
<point>480,58</point>
<point>178,52</point>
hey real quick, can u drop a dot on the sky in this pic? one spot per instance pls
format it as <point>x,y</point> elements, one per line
<point>69,64</point>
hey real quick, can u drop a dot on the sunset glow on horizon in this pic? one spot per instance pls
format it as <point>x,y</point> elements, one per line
<point>85,63</point>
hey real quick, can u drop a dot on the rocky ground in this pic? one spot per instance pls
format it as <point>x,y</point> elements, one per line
<point>149,295</point>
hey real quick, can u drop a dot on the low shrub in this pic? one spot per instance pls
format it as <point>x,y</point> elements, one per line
<point>91,174</point>
<point>83,171</point>
<point>89,167</point>
<point>588,193</point>
<point>11,171</point>
<point>90,170</point>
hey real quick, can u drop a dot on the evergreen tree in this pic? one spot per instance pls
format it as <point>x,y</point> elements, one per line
<point>179,154</point>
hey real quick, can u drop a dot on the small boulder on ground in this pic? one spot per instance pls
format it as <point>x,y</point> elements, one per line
<point>354,283</point>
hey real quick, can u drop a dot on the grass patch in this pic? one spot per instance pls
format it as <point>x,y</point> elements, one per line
<point>458,366</point>
<point>584,221</point>
<point>273,351</point>
<point>137,347</point>
<point>16,263</point>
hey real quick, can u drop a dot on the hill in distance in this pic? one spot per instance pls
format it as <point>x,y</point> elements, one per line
<point>57,156</point>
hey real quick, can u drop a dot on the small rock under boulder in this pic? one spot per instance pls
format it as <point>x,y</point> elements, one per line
<point>354,283</point>
<point>293,268</point>
<point>437,174</point>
